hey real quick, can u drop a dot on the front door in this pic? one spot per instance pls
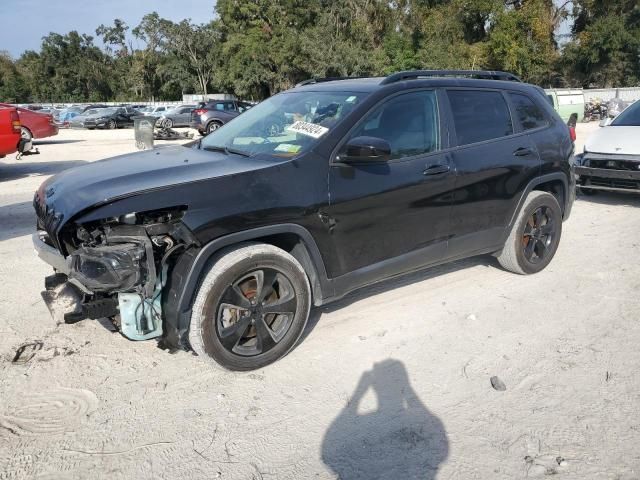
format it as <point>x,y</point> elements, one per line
<point>389,217</point>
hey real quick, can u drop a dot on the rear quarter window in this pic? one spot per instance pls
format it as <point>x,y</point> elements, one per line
<point>479,115</point>
<point>528,113</point>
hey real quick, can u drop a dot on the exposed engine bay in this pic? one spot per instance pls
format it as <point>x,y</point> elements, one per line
<point>115,268</point>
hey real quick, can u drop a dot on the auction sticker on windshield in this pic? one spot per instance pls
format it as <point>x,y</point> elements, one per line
<point>308,129</point>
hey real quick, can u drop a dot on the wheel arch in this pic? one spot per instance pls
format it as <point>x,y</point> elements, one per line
<point>28,130</point>
<point>214,120</point>
<point>186,275</point>
<point>555,183</point>
<point>557,188</point>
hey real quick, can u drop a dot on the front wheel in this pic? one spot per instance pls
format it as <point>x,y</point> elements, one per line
<point>251,307</point>
<point>535,235</point>
<point>168,123</point>
<point>112,125</point>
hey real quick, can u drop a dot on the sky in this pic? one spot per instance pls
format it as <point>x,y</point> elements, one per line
<point>25,22</point>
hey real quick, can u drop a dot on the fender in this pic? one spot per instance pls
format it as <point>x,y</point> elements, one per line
<point>187,272</point>
<point>549,177</point>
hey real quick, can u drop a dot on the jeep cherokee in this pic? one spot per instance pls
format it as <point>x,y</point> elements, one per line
<point>223,245</point>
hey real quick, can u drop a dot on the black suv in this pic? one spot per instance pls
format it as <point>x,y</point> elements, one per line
<point>212,115</point>
<point>223,246</point>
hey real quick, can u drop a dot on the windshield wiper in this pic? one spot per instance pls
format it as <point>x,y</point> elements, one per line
<point>225,149</point>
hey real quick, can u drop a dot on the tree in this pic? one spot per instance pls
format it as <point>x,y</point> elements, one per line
<point>12,87</point>
<point>605,49</point>
<point>196,48</point>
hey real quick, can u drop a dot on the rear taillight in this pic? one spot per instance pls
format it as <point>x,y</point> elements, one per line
<point>572,132</point>
<point>15,122</point>
<point>199,111</point>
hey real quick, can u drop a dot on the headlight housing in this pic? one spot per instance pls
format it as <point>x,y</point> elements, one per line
<point>109,268</point>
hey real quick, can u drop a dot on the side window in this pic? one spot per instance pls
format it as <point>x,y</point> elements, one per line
<point>479,115</point>
<point>409,122</point>
<point>219,106</point>
<point>528,113</point>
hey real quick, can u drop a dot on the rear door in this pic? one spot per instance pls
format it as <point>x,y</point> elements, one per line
<point>392,216</point>
<point>183,117</point>
<point>494,160</point>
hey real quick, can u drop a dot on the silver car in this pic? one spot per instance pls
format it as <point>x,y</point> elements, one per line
<point>177,117</point>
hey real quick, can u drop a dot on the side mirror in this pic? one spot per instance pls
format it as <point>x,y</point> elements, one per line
<point>365,149</point>
<point>605,122</point>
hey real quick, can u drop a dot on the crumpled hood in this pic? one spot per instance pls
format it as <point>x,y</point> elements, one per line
<point>615,140</point>
<point>78,189</point>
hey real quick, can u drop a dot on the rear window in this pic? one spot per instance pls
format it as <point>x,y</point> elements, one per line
<point>479,115</point>
<point>528,113</point>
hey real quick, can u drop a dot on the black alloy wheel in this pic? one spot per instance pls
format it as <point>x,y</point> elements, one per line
<point>539,234</point>
<point>255,312</point>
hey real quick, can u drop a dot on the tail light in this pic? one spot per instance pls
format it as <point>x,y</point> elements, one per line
<point>572,132</point>
<point>200,111</point>
<point>15,122</point>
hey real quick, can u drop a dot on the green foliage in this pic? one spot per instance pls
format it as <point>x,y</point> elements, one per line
<point>257,48</point>
<point>605,51</point>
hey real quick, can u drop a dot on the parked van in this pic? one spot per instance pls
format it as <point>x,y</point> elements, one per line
<point>566,102</point>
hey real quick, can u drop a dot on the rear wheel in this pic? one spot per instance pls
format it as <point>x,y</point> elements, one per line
<point>535,235</point>
<point>251,307</point>
<point>213,126</point>
<point>26,133</point>
<point>112,125</point>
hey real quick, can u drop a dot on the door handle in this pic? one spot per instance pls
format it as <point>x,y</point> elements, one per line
<point>523,152</point>
<point>436,169</point>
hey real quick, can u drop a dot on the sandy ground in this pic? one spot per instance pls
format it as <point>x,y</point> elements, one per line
<point>393,382</point>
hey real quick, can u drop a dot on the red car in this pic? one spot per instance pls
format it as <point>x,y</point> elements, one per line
<point>34,124</point>
<point>9,130</point>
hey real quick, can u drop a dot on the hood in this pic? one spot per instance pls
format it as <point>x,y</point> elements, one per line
<point>81,188</point>
<point>614,140</point>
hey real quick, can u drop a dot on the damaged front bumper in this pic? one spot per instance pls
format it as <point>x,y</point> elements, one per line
<point>99,282</point>
<point>619,173</point>
<point>49,254</point>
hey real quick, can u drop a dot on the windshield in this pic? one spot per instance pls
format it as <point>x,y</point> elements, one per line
<point>284,125</point>
<point>629,118</point>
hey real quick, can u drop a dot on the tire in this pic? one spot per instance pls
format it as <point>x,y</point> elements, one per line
<point>112,124</point>
<point>535,235</point>
<point>26,133</point>
<point>213,126</point>
<point>168,123</point>
<point>254,338</point>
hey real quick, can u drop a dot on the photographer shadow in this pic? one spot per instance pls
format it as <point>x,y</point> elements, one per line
<point>400,439</point>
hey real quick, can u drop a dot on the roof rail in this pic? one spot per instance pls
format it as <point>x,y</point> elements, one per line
<point>482,74</point>
<point>311,81</point>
